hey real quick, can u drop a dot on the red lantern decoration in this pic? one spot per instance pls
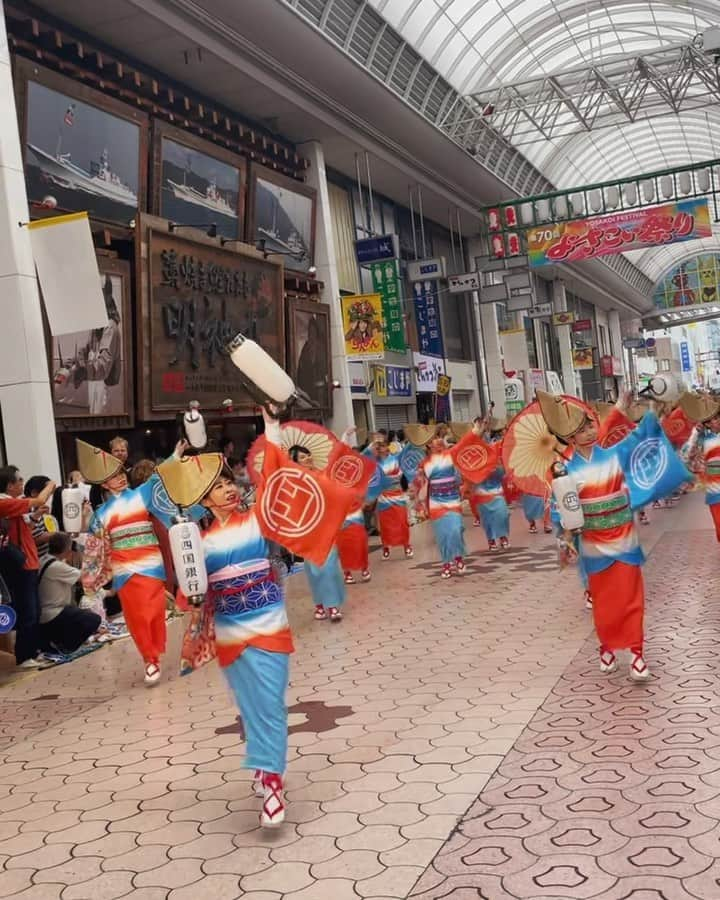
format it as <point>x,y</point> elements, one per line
<point>513,244</point>
<point>498,246</point>
<point>511,217</point>
<point>494,219</point>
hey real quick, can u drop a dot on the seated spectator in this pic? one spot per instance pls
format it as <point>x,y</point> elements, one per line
<point>41,521</point>
<point>63,626</point>
<point>19,561</point>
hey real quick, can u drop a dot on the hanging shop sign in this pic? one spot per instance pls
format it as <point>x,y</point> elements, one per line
<point>610,367</point>
<point>563,318</point>
<point>442,398</point>
<point>393,381</point>
<point>457,284</point>
<point>582,358</point>
<point>541,311</point>
<point>597,236</point>
<point>685,356</point>
<point>424,269</point>
<point>363,326</point>
<point>427,314</point>
<point>427,371</point>
<point>194,298</point>
<point>376,248</point>
<point>633,343</point>
<point>582,325</point>
<point>386,282</point>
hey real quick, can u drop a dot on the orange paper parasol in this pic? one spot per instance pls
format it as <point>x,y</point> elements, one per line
<point>529,449</point>
<point>317,440</point>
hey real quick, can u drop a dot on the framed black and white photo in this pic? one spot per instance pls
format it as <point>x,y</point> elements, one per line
<point>82,149</point>
<point>91,371</point>
<point>309,355</point>
<point>198,183</point>
<point>281,218</point>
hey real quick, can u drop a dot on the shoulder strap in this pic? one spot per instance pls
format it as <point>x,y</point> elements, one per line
<point>45,567</point>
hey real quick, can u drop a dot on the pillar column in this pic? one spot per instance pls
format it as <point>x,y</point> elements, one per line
<point>325,264</point>
<point>564,339</point>
<point>616,342</point>
<point>25,396</point>
<point>491,374</point>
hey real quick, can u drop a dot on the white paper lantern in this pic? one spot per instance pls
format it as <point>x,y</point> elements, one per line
<point>188,559</point>
<point>72,502</point>
<point>565,491</point>
<point>195,426</point>
<point>271,382</point>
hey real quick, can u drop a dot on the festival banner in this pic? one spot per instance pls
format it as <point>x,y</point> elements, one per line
<point>580,239</point>
<point>363,326</point>
<point>386,281</point>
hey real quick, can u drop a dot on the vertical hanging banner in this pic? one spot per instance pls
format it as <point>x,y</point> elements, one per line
<point>386,282</point>
<point>442,398</point>
<point>363,326</point>
<point>67,270</point>
<point>580,239</point>
<point>427,313</point>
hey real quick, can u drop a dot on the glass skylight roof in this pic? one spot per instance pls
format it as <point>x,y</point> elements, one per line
<point>479,45</point>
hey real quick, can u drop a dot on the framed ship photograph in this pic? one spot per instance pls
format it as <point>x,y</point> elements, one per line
<point>309,357</point>
<point>281,218</point>
<point>82,150</point>
<point>198,183</point>
<point>91,371</point>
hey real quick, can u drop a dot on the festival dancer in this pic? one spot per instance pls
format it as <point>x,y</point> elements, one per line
<point>251,631</point>
<point>327,582</point>
<point>122,543</point>
<point>609,543</point>
<point>437,474</point>
<point>352,540</point>
<point>392,512</point>
<point>535,508</point>
<point>703,447</point>
<point>487,499</point>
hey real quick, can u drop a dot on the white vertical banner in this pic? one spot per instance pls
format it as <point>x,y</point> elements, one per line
<point>68,273</point>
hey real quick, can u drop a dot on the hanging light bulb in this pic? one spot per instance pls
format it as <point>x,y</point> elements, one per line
<point>648,190</point>
<point>667,188</point>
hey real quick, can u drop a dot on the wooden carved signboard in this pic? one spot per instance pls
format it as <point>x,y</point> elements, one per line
<point>198,296</point>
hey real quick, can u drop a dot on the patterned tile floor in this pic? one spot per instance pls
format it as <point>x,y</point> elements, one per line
<point>446,741</point>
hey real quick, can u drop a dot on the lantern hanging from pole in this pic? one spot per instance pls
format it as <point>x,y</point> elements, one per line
<point>494,219</point>
<point>195,426</point>
<point>72,501</point>
<point>265,380</point>
<point>565,492</point>
<point>188,559</point>
<point>513,244</point>
<point>511,217</point>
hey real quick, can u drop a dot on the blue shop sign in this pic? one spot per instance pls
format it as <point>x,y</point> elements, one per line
<point>685,356</point>
<point>399,381</point>
<point>376,248</point>
<point>427,314</point>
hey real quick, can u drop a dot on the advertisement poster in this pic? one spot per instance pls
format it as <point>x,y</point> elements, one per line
<point>386,281</point>
<point>427,313</point>
<point>581,239</point>
<point>442,399</point>
<point>363,326</point>
<point>583,358</point>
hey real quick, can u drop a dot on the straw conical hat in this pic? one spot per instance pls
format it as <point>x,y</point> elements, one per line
<point>188,480</point>
<point>419,434</point>
<point>562,418</point>
<point>699,407</point>
<point>460,429</point>
<point>96,465</point>
<point>603,409</point>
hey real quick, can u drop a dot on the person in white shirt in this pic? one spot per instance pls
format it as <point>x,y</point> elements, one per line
<point>63,626</point>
